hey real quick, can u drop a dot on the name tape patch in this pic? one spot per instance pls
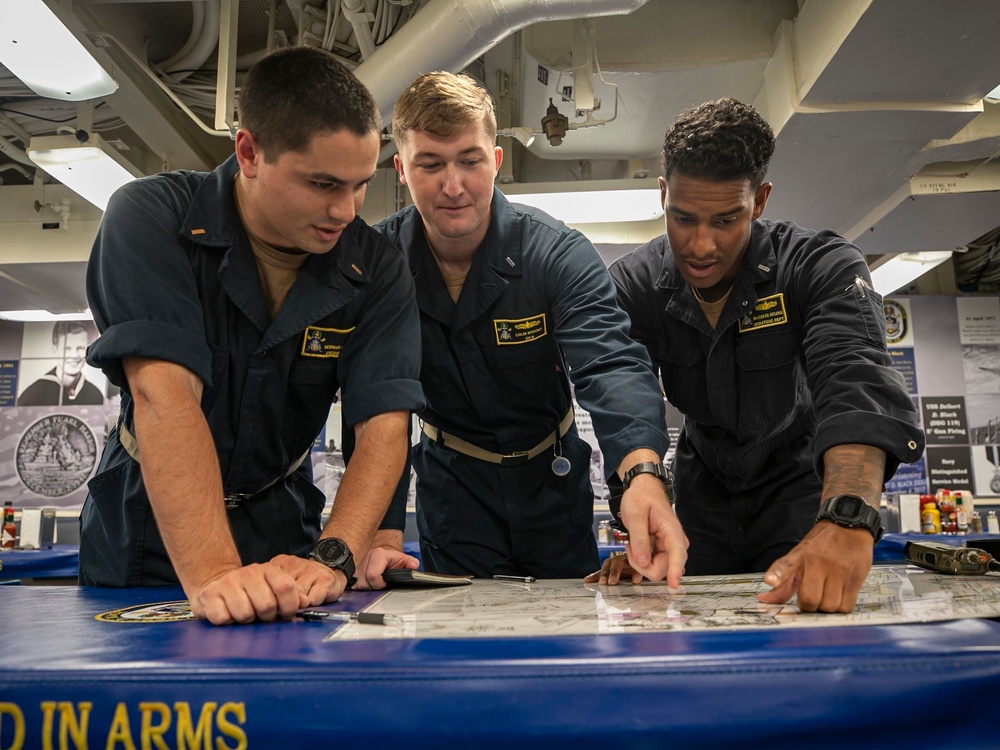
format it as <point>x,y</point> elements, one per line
<point>520,331</point>
<point>769,311</point>
<point>324,342</point>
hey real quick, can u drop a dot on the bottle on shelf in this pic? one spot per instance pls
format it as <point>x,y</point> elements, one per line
<point>9,534</point>
<point>604,532</point>
<point>992,524</point>
<point>961,516</point>
<point>930,518</point>
<point>976,523</point>
<point>946,504</point>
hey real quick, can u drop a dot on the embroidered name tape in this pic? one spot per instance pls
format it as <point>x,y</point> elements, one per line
<point>769,311</point>
<point>324,342</point>
<point>520,331</point>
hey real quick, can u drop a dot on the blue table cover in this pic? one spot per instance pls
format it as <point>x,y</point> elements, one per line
<point>58,561</point>
<point>97,684</point>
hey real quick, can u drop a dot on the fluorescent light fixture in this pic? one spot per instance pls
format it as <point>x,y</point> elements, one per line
<point>591,202</point>
<point>32,316</point>
<point>91,169</point>
<point>903,269</point>
<point>38,48</point>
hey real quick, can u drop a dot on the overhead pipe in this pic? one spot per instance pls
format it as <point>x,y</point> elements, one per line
<point>449,34</point>
<point>14,152</point>
<point>208,39</point>
<point>356,13</point>
<point>197,23</point>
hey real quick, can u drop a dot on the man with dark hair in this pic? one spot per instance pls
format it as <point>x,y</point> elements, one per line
<point>771,341</point>
<point>233,306</point>
<point>514,306</point>
<point>65,384</point>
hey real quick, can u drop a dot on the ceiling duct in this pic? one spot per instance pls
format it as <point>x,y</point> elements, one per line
<point>448,35</point>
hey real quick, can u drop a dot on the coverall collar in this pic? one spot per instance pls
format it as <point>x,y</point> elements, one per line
<point>213,221</point>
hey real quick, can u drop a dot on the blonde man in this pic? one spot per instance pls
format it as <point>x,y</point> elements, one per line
<point>511,302</point>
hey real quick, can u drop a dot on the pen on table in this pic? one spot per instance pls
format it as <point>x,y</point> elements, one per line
<point>363,618</point>
<point>520,579</point>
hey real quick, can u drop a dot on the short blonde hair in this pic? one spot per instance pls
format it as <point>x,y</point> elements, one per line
<point>442,104</point>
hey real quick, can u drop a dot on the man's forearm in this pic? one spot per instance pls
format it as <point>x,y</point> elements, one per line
<point>369,480</point>
<point>180,469</point>
<point>388,538</point>
<point>854,469</point>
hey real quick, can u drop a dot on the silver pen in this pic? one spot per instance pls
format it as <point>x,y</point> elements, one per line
<point>362,618</point>
<point>520,579</point>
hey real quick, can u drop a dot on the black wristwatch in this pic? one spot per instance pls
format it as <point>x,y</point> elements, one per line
<point>656,469</point>
<point>336,555</point>
<point>852,512</point>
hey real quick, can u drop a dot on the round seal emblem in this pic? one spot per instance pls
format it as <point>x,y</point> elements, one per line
<point>55,455</point>
<point>895,321</point>
<point>161,612</point>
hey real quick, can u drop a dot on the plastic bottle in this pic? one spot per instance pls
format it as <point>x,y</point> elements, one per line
<point>946,504</point>
<point>9,533</point>
<point>961,517</point>
<point>992,524</point>
<point>930,519</point>
<point>604,532</point>
<point>976,523</point>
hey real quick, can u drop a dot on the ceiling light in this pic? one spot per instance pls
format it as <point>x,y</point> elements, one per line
<point>525,135</point>
<point>591,202</point>
<point>903,269</point>
<point>38,48</point>
<point>91,169</point>
<point>32,316</point>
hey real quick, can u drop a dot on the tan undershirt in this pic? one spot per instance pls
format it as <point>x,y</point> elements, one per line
<point>453,283</point>
<point>278,269</point>
<point>712,310</point>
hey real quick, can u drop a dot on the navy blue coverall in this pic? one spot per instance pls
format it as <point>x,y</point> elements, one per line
<point>537,299</point>
<point>172,276</point>
<point>796,365</point>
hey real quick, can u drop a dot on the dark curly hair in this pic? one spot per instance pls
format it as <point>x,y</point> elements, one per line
<point>720,140</point>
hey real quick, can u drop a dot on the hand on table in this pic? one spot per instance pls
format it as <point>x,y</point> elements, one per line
<point>252,592</point>
<point>376,562</point>
<point>613,570</point>
<point>657,545</point>
<point>316,583</point>
<point>826,569</point>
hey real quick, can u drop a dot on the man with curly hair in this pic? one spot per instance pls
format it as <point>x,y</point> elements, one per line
<point>771,341</point>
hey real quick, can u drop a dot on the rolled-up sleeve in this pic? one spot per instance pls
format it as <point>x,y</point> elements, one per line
<point>141,287</point>
<point>381,360</point>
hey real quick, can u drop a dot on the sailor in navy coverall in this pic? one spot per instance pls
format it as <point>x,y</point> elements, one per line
<point>797,364</point>
<point>233,306</point>
<point>771,342</point>
<point>513,304</point>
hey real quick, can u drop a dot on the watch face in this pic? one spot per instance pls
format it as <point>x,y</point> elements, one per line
<point>331,551</point>
<point>849,506</point>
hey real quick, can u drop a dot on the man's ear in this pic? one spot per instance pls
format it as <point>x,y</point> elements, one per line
<point>498,155</point>
<point>398,164</point>
<point>760,199</point>
<point>247,152</point>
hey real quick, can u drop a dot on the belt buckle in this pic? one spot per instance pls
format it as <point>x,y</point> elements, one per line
<point>514,459</point>
<point>236,499</point>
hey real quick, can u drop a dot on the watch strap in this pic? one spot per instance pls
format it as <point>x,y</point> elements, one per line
<point>866,517</point>
<point>617,487</point>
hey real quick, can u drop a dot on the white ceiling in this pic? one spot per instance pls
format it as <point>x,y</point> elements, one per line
<point>878,107</point>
